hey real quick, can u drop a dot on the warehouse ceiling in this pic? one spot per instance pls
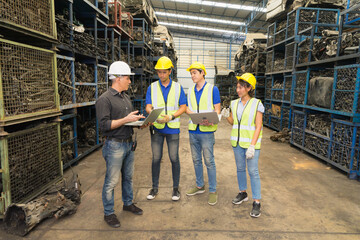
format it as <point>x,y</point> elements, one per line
<point>222,19</point>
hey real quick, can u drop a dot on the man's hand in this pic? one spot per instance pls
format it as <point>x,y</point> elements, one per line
<point>206,122</point>
<point>144,126</point>
<point>250,152</point>
<point>132,117</point>
<point>164,119</point>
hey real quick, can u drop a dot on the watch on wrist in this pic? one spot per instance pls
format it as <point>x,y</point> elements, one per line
<point>172,117</point>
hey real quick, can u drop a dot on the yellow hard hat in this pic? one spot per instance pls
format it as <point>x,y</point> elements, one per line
<point>164,63</point>
<point>248,77</point>
<point>197,65</point>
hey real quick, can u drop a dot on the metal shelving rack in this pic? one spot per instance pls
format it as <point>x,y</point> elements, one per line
<point>86,72</point>
<point>330,130</point>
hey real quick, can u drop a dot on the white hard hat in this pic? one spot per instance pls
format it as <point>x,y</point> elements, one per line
<point>119,68</point>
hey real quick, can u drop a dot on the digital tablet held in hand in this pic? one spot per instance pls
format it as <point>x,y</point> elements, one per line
<point>197,118</point>
<point>150,119</point>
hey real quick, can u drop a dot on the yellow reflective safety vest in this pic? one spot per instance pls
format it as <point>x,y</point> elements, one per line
<point>205,105</point>
<point>170,107</point>
<point>243,131</point>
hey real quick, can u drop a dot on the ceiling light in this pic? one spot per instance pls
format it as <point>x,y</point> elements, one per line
<point>200,28</point>
<point>205,19</point>
<point>222,5</point>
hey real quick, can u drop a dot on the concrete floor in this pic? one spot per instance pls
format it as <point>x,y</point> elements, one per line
<point>303,198</point>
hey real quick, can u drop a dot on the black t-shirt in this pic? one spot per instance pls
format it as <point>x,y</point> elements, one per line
<point>113,105</point>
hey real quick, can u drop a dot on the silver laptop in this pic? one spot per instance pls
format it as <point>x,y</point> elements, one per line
<point>150,119</point>
<point>197,118</point>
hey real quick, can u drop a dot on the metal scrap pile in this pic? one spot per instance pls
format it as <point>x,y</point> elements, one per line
<point>86,133</point>
<point>65,87</point>
<point>319,123</point>
<point>251,57</point>
<point>278,64</point>
<point>102,44</point>
<point>350,43</point>
<point>282,136</point>
<point>85,43</point>
<point>67,150</point>
<point>63,29</point>
<point>84,72</point>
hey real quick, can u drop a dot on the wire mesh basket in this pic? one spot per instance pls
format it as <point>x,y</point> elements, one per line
<point>36,16</point>
<point>28,170</point>
<point>65,80</point>
<point>27,81</point>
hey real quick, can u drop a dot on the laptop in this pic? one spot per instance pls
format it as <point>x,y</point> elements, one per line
<point>197,118</point>
<point>154,114</point>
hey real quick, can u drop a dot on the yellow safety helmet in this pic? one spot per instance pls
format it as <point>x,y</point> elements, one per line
<point>197,65</point>
<point>248,77</point>
<point>164,63</point>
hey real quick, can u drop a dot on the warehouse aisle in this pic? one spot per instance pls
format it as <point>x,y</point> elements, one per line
<point>303,198</point>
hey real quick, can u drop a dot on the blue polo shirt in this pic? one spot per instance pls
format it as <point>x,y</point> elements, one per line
<point>165,92</point>
<point>216,100</point>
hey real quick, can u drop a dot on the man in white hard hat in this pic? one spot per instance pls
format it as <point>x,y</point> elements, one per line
<point>113,110</point>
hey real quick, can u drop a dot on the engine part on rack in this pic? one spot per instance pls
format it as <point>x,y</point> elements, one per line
<point>320,90</point>
<point>319,123</point>
<point>350,43</point>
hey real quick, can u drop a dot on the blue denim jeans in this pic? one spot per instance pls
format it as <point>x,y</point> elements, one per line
<point>253,169</point>
<point>118,158</point>
<point>157,143</point>
<point>203,144</point>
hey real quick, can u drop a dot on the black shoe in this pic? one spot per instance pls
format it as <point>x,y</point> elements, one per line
<point>241,197</point>
<point>134,209</point>
<point>175,194</point>
<point>152,194</point>
<point>255,212</point>
<point>112,220</point>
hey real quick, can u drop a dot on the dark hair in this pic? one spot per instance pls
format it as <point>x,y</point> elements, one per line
<point>247,85</point>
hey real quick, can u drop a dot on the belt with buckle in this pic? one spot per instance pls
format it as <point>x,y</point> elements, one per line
<point>120,140</point>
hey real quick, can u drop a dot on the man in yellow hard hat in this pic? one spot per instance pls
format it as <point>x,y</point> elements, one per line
<point>203,97</point>
<point>169,95</point>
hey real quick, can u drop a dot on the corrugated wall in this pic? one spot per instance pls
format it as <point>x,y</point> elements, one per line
<point>209,53</point>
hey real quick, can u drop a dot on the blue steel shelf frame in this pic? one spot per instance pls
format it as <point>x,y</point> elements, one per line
<point>95,22</point>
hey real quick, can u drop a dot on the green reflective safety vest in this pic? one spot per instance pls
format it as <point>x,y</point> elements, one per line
<point>170,107</point>
<point>205,105</point>
<point>242,132</point>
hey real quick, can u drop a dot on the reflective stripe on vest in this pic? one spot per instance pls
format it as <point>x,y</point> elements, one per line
<point>171,106</point>
<point>243,133</point>
<point>205,105</point>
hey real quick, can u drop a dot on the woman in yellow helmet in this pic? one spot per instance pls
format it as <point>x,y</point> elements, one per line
<point>246,117</point>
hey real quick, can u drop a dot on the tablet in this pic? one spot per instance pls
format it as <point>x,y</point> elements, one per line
<point>154,114</point>
<point>197,118</point>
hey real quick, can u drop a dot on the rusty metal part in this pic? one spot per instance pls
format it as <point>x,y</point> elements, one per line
<point>282,136</point>
<point>319,123</point>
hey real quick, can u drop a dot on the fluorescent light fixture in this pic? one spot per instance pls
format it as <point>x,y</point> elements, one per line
<point>221,5</point>
<point>205,19</point>
<point>200,28</point>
